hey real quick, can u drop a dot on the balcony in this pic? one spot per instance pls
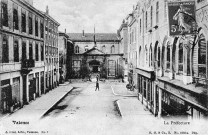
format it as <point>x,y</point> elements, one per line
<point>27,65</point>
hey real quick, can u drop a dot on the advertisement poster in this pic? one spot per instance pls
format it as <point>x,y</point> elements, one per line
<point>182,19</point>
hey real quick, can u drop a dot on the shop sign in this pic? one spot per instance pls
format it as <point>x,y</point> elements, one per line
<point>182,18</point>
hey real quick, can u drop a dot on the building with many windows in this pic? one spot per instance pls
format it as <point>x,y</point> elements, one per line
<point>123,37</point>
<point>171,71</point>
<point>21,53</point>
<point>63,39</point>
<point>51,51</point>
<point>98,53</point>
<point>28,53</point>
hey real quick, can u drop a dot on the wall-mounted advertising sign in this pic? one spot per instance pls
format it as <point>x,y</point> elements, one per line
<point>181,18</point>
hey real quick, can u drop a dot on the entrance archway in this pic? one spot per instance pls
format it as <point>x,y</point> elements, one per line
<point>95,66</point>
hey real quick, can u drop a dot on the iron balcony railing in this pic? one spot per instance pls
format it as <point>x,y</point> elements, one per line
<point>28,63</point>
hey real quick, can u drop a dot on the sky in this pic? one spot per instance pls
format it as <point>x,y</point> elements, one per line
<point>78,15</point>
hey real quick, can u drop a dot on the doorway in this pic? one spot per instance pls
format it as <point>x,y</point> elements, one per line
<point>95,66</point>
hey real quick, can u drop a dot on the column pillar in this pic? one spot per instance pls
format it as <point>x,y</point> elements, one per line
<point>27,88</point>
<point>154,99</point>
<point>39,83</point>
<point>160,103</point>
<point>142,79</point>
<point>21,91</point>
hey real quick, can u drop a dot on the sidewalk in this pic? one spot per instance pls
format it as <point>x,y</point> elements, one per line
<point>37,108</point>
<point>132,107</point>
<point>120,89</point>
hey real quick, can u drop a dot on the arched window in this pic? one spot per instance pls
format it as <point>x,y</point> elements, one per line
<point>155,54</point>
<point>168,56</point>
<point>146,55</point>
<point>103,48</point>
<point>180,58</point>
<point>158,57</point>
<point>150,56</point>
<point>77,49</point>
<point>86,48</point>
<point>112,49</point>
<point>202,56</point>
<point>5,50</point>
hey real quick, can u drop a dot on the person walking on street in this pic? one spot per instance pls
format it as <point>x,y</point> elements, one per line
<point>97,85</point>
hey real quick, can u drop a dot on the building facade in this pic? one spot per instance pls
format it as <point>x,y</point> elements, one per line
<point>21,54</point>
<point>171,71</point>
<point>51,51</point>
<point>63,39</point>
<point>96,53</point>
<point>123,37</point>
<point>24,38</point>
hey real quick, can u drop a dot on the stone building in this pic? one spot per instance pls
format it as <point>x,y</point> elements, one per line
<point>98,53</point>
<point>62,43</point>
<point>171,71</point>
<point>123,36</point>
<point>21,54</point>
<point>51,51</point>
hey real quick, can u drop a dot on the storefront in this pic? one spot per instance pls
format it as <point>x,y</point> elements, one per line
<point>6,96</point>
<point>176,99</point>
<point>145,84</point>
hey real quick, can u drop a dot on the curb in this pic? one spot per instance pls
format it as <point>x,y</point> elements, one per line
<point>120,94</point>
<point>117,107</point>
<point>52,107</point>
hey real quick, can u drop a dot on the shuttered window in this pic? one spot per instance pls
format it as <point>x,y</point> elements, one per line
<point>15,18</point>
<point>16,51</point>
<point>4,11</point>
<point>5,50</point>
<point>30,24</point>
<point>23,24</point>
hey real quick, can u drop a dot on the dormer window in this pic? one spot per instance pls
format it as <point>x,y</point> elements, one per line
<point>77,49</point>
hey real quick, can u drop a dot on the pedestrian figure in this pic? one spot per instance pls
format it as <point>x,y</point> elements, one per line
<point>97,77</point>
<point>90,77</point>
<point>97,85</point>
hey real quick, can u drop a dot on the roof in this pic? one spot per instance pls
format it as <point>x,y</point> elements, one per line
<point>63,34</point>
<point>89,37</point>
<point>47,15</point>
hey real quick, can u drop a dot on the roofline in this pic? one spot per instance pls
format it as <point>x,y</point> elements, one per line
<point>31,7</point>
<point>131,23</point>
<point>122,26</point>
<point>48,16</point>
<point>63,34</point>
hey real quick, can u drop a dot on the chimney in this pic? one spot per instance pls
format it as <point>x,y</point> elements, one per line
<point>65,31</point>
<point>47,10</point>
<point>83,34</point>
